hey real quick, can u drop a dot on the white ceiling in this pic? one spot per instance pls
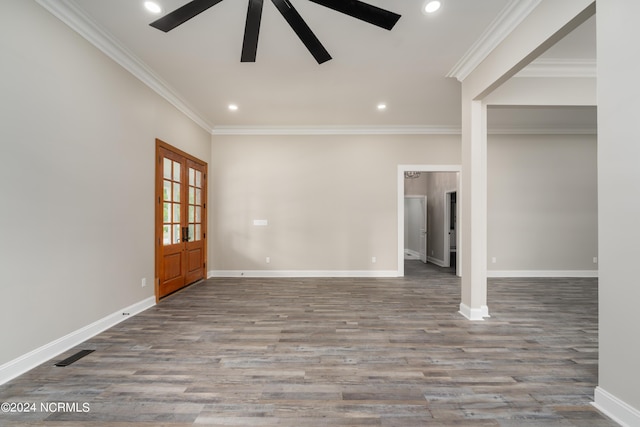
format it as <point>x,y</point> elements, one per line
<point>405,68</point>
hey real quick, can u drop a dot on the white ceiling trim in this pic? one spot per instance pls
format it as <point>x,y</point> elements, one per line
<point>77,20</point>
<point>508,19</point>
<point>575,68</point>
<point>393,130</point>
<point>336,130</point>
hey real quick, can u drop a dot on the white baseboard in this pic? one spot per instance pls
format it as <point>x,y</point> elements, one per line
<point>436,261</point>
<point>542,273</point>
<point>26,362</point>
<point>619,411</point>
<point>411,254</point>
<point>302,273</point>
<point>474,313</point>
<point>416,255</point>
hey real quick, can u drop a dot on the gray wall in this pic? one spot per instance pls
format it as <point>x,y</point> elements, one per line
<point>330,200</point>
<point>542,203</point>
<point>77,144</point>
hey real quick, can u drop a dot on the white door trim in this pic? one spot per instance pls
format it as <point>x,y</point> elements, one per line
<point>447,228</point>
<point>400,204</point>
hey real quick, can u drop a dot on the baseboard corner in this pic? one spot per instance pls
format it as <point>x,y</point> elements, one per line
<point>616,409</point>
<point>474,314</point>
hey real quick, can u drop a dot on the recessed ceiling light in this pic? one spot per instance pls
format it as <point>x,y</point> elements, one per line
<point>152,7</point>
<point>382,106</point>
<point>431,6</point>
<point>233,107</point>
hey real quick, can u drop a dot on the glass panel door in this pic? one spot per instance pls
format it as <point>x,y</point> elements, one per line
<point>172,206</point>
<point>195,205</point>
<point>180,219</point>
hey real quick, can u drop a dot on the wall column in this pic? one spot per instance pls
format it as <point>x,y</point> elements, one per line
<point>618,394</point>
<point>473,221</point>
<point>548,22</point>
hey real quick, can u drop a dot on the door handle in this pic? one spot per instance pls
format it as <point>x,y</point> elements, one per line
<point>185,234</point>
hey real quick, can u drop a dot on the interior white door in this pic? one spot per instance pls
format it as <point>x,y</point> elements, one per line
<point>423,229</point>
<point>415,217</point>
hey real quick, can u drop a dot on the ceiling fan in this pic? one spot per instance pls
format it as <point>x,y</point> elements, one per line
<point>357,9</point>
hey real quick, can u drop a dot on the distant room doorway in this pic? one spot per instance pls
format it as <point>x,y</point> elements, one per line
<point>451,227</point>
<point>436,184</point>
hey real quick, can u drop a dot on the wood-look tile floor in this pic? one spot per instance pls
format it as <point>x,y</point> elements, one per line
<point>335,352</point>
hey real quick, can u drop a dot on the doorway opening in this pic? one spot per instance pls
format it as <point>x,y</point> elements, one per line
<point>437,185</point>
<point>450,228</point>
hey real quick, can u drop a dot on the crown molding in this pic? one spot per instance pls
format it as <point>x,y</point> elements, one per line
<point>509,18</point>
<point>77,20</point>
<point>575,68</point>
<point>336,130</point>
<point>393,130</point>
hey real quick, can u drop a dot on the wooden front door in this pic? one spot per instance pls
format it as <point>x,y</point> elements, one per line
<point>181,189</point>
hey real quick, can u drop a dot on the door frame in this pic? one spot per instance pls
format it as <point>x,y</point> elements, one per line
<point>400,206</point>
<point>447,229</point>
<point>160,144</point>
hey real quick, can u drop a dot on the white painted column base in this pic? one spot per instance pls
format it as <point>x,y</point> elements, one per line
<point>474,313</point>
<point>616,409</point>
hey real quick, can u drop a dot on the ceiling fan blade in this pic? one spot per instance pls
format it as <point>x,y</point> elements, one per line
<point>302,30</point>
<point>363,11</point>
<point>251,31</point>
<point>183,14</point>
